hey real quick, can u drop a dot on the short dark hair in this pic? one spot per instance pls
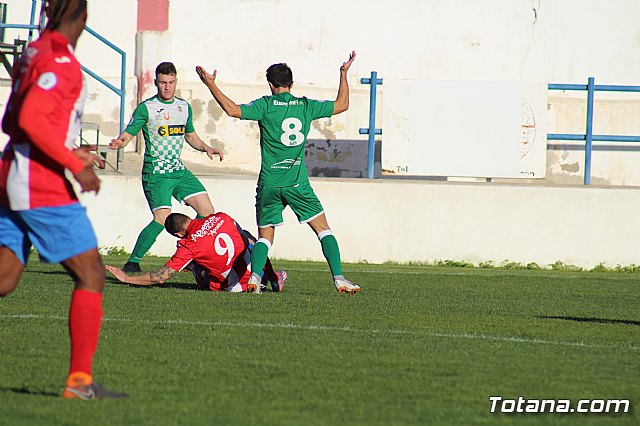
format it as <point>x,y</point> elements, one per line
<point>175,223</point>
<point>280,75</point>
<point>166,68</point>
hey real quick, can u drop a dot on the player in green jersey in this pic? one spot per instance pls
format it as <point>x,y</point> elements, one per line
<point>284,122</point>
<point>166,123</point>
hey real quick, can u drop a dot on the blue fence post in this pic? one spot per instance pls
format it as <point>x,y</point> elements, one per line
<point>371,130</point>
<point>589,132</point>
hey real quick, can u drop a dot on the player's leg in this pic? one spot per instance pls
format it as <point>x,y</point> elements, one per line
<point>157,191</point>
<point>14,250</point>
<point>10,270</point>
<point>269,207</point>
<point>307,207</point>
<point>146,239</point>
<point>193,193</point>
<point>64,235</point>
<point>85,320</point>
<point>331,252</point>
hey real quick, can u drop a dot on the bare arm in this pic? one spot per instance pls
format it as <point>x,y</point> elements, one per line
<point>341,103</point>
<point>121,141</point>
<point>146,279</point>
<point>197,143</point>
<point>229,107</point>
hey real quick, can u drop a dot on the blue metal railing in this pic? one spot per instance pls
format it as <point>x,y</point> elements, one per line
<point>371,130</point>
<point>118,91</point>
<point>123,64</point>
<point>589,137</point>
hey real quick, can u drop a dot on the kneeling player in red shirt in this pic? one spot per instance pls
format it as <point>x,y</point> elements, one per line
<point>218,249</point>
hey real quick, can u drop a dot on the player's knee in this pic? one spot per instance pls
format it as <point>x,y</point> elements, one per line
<point>91,278</point>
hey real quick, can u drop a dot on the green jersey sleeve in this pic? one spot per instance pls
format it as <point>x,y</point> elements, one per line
<point>189,126</point>
<point>319,109</point>
<point>254,110</point>
<point>138,120</point>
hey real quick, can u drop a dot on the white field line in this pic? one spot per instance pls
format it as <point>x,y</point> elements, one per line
<point>347,329</point>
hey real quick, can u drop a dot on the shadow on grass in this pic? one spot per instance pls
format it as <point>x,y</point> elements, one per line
<point>594,320</point>
<point>25,391</point>
<point>178,285</point>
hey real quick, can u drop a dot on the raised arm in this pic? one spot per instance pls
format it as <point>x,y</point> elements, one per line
<point>228,106</point>
<point>146,279</point>
<point>341,103</point>
<point>197,143</point>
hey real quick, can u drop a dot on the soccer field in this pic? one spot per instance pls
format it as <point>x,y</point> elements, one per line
<point>418,345</point>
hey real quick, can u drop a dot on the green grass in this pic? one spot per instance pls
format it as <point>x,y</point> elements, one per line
<point>418,345</point>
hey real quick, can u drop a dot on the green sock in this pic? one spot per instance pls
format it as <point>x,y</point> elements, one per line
<point>259,254</point>
<point>331,252</point>
<point>145,240</point>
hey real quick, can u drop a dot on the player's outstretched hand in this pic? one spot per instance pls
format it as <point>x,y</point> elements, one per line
<point>205,76</point>
<point>212,151</point>
<point>88,157</point>
<point>88,180</point>
<point>117,272</point>
<point>117,143</point>
<point>346,65</point>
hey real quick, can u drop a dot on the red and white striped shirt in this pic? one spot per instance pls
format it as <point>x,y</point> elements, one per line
<point>43,119</point>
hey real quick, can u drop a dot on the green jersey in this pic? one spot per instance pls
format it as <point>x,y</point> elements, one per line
<point>284,122</point>
<point>163,126</point>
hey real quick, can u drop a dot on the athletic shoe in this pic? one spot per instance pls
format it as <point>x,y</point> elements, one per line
<point>282,277</point>
<point>131,267</point>
<point>91,392</point>
<point>253,286</point>
<point>346,286</point>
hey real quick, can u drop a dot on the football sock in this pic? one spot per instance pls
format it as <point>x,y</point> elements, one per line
<point>259,254</point>
<point>145,240</point>
<point>85,318</point>
<point>331,251</point>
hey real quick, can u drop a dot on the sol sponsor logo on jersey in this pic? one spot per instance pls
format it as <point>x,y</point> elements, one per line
<point>173,130</point>
<point>63,60</point>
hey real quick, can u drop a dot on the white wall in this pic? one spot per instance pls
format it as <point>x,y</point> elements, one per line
<point>402,221</point>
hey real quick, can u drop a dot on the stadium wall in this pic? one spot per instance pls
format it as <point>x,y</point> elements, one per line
<point>558,41</point>
<point>409,221</point>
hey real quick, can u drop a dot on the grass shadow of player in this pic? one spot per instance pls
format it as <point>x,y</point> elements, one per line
<point>172,284</point>
<point>593,320</point>
<point>25,391</point>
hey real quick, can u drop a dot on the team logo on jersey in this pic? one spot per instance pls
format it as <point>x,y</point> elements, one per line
<point>63,60</point>
<point>179,108</point>
<point>47,81</point>
<point>173,130</point>
<point>286,164</point>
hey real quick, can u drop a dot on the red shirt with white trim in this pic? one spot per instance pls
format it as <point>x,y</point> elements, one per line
<point>214,243</point>
<point>43,119</point>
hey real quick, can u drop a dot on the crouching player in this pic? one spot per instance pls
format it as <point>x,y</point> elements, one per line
<point>218,250</point>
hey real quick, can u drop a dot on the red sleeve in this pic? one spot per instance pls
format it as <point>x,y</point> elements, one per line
<point>181,258</point>
<point>39,103</point>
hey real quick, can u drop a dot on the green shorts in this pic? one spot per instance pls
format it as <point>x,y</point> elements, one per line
<point>271,201</point>
<point>158,189</point>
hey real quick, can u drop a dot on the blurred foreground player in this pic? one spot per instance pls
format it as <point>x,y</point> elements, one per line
<point>217,249</point>
<point>37,203</point>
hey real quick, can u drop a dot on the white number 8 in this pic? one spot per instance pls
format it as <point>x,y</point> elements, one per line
<point>291,127</point>
<point>228,248</point>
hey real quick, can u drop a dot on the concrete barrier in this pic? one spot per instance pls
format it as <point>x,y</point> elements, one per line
<point>413,221</point>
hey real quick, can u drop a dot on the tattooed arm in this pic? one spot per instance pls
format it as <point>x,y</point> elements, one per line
<point>147,279</point>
